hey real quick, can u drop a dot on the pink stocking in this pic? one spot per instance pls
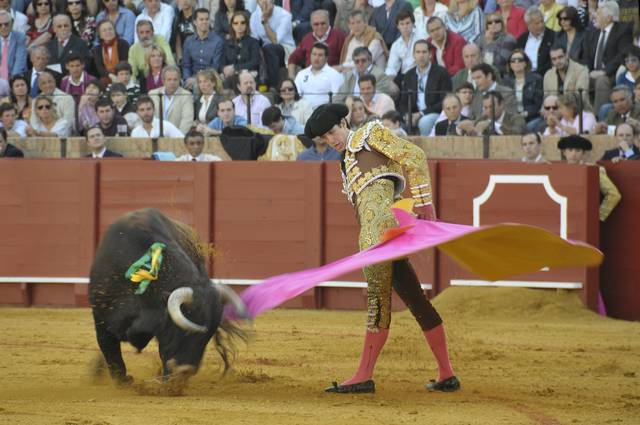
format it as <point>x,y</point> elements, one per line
<point>373,343</point>
<point>437,341</point>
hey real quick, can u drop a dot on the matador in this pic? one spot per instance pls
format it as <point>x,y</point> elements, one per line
<point>373,178</point>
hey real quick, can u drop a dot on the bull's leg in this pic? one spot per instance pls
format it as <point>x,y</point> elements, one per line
<point>110,347</point>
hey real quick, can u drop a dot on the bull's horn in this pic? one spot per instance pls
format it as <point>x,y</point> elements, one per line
<point>229,296</point>
<point>178,297</point>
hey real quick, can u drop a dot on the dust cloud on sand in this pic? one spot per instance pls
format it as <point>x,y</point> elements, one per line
<point>524,357</point>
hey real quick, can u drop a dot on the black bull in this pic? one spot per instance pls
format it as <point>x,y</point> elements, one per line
<point>181,309</point>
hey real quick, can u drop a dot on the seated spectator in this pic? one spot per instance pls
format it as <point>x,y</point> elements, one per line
<point>362,35</point>
<point>150,126</point>
<point>393,121</point>
<point>496,44</point>
<point>272,26</point>
<point>123,19</point>
<point>625,135</point>
<point>7,150</point>
<point>122,106</point>
<point>83,24</point>
<point>160,14</point>
<point>240,51</point>
<point>320,151</point>
<point>401,52</point>
<point>226,118</point>
<point>273,119</point>
<point>124,77</point>
<point>527,85</point>
<point>452,109</point>
<point>40,60</point>
<point>223,17</point>
<point>138,51</point>
<point>209,85</point>
<point>194,143</point>
<point>156,62</point>
<point>425,10</point>
<point>183,26</point>
<point>77,80</point>
<point>424,88</point>
<point>364,65</point>
<point>631,75</point>
<point>64,104</point>
<point>291,104</point>
<point>572,33</point>
<point>344,9</point>
<point>109,51</point>
<point>358,114</point>
<point>111,124</point>
<point>485,80</point>
<point>319,79</point>
<point>322,32</point>
<point>466,19</point>
<point>570,122</point>
<point>603,50</point>
<point>550,113</point>
<point>19,19</point>
<point>45,121</point>
<point>249,100</point>
<point>465,93</point>
<point>202,50</point>
<point>471,56</point>
<point>14,61</point>
<point>550,10</point>
<point>575,149</point>
<point>532,147</point>
<point>376,103</point>
<point>66,44</point>
<point>177,103</point>
<point>40,24</point>
<point>96,144</point>
<point>20,97</point>
<point>384,16</point>
<point>9,121</point>
<point>301,15</point>
<point>566,76</point>
<point>623,110</point>
<point>537,41</point>
<point>445,46</point>
<point>87,116</point>
<point>514,17</point>
<point>496,119</point>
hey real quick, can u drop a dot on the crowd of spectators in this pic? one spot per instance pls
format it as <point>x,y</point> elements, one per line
<point>151,68</point>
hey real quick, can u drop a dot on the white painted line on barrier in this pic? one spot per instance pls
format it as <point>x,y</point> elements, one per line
<point>517,284</point>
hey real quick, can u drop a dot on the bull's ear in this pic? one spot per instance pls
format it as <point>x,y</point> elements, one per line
<point>144,328</point>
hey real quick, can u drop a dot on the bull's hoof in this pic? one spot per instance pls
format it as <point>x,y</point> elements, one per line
<point>448,385</point>
<point>123,381</point>
<point>361,387</point>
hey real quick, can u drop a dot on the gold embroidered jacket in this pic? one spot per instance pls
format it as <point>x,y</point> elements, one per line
<point>399,154</point>
<point>610,193</point>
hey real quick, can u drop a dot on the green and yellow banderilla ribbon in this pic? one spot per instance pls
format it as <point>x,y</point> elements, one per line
<point>146,268</point>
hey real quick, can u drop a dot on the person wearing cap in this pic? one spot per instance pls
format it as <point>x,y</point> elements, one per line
<point>574,149</point>
<point>374,158</point>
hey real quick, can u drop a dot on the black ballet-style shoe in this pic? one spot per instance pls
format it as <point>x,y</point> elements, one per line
<point>361,387</point>
<point>448,385</point>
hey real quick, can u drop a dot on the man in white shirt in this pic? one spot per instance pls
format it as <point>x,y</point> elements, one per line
<point>160,14</point>
<point>272,26</point>
<point>14,127</point>
<point>401,53</point>
<point>150,126</point>
<point>248,96</point>
<point>378,103</point>
<point>316,81</point>
<point>194,142</point>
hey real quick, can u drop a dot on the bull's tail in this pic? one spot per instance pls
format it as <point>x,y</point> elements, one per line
<point>226,341</point>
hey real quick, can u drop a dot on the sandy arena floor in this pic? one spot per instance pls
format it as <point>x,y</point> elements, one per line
<point>524,357</point>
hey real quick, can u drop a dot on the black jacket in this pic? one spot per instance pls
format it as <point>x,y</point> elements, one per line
<point>98,59</point>
<point>245,54</point>
<point>617,42</point>
<point>442,127</point>
<point>108,154</point>
<point>614,153</point>
<point>531,93</point>
<point>11,152</point>
<point>75,46</point>
<point>438,85</point>
<point>544,62</point>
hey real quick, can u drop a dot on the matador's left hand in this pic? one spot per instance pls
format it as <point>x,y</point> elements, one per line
<point>426,212</point>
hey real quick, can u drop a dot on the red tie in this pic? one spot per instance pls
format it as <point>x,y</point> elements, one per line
<point>286,5</point>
